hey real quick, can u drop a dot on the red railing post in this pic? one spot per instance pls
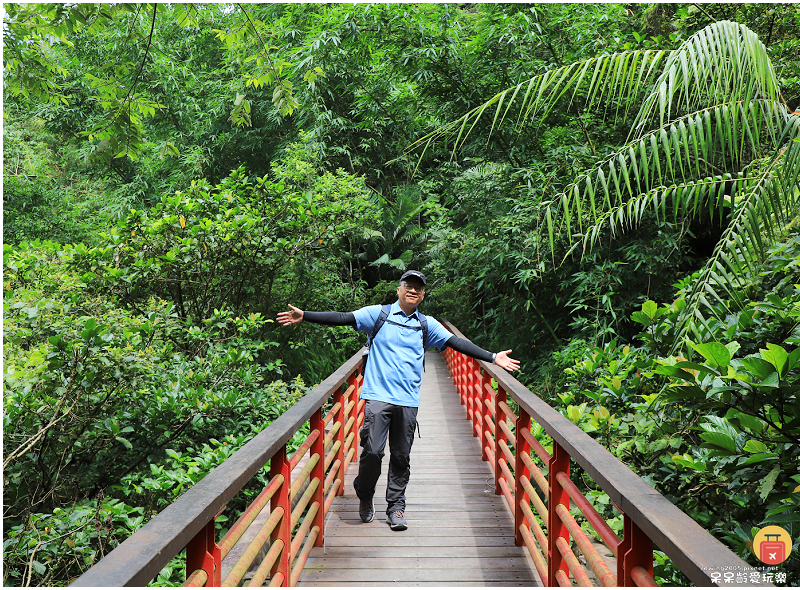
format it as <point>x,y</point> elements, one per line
<point>555,527</point>
<point>318,473</point>
<point>521,471</point>
<point>279,465</point>
<point>636,549</point>
<point>339,398</point>
<point>475,382</point>
<point>487,399</point>
<point>462,372</point>
<point>359,412</point>
<point>457,373</point>
<point>202,553</point>
<point>499,435</point>
<point>351,397</point>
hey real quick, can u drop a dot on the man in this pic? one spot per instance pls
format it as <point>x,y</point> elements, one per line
<point>391,386</point>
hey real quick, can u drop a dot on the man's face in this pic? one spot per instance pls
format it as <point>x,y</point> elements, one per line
<point>411,292</point>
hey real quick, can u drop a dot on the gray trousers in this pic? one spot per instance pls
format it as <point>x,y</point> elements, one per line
<point>382,420</point>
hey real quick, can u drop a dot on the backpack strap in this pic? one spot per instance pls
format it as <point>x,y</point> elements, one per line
<point>378,325</point>
<point>424,323</point>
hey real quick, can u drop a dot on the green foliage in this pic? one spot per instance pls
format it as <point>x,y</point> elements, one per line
<point>59,546</point>
<point>222,247</point>
<point>718,432</point>
<point>684,152</point>
<point>158,329</point>
<point>398,245</point>
<point>117,383</point>
<point>97,400</point>
<point>37,37</point>
<point>37,203</point>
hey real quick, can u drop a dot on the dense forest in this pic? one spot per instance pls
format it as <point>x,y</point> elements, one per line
<point>612,191</point>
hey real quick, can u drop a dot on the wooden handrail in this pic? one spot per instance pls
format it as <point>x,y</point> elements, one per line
<point>139,559</point>
<point>691,547</point>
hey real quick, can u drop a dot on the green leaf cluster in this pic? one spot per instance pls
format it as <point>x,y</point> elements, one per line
<point>716,432</point>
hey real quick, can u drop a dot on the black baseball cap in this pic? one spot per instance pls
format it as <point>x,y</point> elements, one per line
<point>416,274</point>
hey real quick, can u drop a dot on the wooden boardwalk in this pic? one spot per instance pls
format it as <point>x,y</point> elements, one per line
<point>460,533</point>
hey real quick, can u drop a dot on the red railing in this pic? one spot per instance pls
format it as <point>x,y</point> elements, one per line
<point>302,487</point>
<point>297,505</point>
<point>543,520</point>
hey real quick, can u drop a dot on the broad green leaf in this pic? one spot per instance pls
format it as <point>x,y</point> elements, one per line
<point>717,424</point>
<point>757,458</point>
<point>772,380</point>
<point>733,347</point>
<point>793,360</point>
<point>755,446</point>
<point>687,461</point>
<point>675,372</point>
<point>769,482</point>
<point>777,357</point>
<point>732,374</point>
<point>649,308</point>
<point>758,367</point>
<point>720,440</point>
<point>752,423</point>
<point>781,519</point>
<point>715,353</point>
<point>779,509</point>
<point>683,392</point>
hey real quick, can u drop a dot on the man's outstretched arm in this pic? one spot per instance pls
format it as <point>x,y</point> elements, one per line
<point>501,359</point>
<point>328,318</point>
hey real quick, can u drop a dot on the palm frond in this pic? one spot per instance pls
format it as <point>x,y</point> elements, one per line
<point>769,203</point>
<point>607,77</point>
<point>724,62</point>
<point>683,154</point>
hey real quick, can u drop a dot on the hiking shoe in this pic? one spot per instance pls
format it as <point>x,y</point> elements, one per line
<point>366,510</point>
<point>397,520</point>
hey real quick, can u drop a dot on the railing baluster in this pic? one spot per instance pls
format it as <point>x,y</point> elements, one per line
<point>499,435</point>
<point>349,417</point>
<point>469,375</point>
<point>555,528</point>
<point>521,471</point>
<point>635,552</point>
<point>279,465</point>
<point>202,553</point>
<point>359,382</point>
<point>340,436</point>
<point>476,384</point>
<point>486,384</point>
<point>318,473</point>
<point>462,371</point>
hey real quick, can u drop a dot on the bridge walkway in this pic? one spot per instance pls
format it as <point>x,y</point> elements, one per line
<point>460,533</point>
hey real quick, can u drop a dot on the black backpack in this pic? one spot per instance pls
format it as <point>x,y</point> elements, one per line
<point>382,318</point>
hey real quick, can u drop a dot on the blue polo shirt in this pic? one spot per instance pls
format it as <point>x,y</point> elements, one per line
<point>394,370</point>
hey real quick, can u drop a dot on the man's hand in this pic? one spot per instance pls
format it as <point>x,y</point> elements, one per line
<point>287,318</point>
<point>503,360</point>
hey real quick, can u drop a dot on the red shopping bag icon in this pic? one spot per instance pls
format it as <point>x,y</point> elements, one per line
<point>773,552</point>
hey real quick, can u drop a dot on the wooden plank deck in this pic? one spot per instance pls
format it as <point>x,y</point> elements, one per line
<point>460,533</point>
